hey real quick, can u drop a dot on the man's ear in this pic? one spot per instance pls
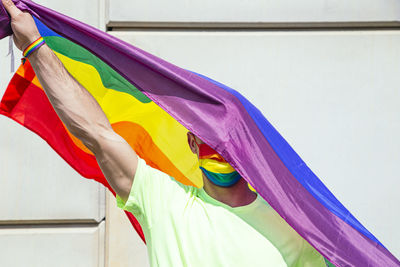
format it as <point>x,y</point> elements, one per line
<point>191,142</point>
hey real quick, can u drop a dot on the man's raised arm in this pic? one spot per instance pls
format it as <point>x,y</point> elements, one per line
<point>77,109</point>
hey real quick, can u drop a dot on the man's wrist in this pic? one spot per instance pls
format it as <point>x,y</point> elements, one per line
<point>30,40</point>
<point>33,46</point>
<point>35,55</point>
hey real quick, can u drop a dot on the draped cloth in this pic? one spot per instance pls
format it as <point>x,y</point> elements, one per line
<point>153,103</point>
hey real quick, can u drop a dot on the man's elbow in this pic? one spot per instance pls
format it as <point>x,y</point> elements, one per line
<point>91,135</point>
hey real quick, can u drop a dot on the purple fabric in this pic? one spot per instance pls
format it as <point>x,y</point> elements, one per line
<point>5,27</point>
<point>219,119</point>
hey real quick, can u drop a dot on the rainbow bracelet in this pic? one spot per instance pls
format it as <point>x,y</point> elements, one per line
<point>32,47</point>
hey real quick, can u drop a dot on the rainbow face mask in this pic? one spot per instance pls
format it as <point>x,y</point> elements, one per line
<point>214,166</point>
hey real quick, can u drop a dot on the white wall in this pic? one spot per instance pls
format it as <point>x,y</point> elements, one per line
<point>254,11</point>
<point>333,95</point>
<point>49,245</point>
<point>49,214</point>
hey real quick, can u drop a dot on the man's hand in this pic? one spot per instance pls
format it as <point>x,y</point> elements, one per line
<point>22,24</point>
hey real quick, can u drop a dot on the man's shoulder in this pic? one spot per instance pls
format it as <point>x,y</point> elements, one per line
<point>189,191</point>
<point>165,179</point>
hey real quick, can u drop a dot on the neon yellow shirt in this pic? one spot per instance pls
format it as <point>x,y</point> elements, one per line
<point>184,226</point>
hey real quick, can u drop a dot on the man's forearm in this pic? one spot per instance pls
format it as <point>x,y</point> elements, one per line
<point>75,106</point>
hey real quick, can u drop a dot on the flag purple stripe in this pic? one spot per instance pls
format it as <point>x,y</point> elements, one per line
<point>220,119</point>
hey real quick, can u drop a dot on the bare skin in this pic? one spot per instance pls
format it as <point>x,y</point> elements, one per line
<point>84,118</point>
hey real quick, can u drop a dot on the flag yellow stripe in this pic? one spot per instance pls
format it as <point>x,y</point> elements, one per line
<point>120,106</point>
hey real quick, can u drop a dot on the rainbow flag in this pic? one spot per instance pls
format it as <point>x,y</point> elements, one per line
<point>153,104</point>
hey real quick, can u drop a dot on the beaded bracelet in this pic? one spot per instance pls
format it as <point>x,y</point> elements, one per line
<point>32,47</point>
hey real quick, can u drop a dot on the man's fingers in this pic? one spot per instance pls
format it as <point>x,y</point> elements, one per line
<point>11,8</point>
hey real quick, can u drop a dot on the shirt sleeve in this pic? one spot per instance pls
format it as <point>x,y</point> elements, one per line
<point>152,193</point>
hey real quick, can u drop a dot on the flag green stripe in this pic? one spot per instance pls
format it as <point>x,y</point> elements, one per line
<point>109,77</point>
